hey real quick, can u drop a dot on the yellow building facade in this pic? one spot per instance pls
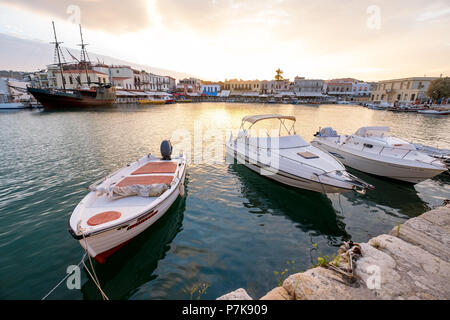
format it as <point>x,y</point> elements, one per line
<point>402,90</point>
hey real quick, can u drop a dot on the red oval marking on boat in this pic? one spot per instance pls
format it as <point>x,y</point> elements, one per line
<point>104,217</point>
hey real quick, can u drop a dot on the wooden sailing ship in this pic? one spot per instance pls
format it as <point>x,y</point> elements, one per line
<point>96,94</point>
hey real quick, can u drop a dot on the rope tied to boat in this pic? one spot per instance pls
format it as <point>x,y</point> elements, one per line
<point>59,283</point>
<point>94,277</point>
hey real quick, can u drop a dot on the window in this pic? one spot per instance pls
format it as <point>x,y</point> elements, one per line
<point>70,80</point>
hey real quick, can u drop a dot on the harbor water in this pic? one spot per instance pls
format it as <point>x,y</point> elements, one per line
<point>233,229</point>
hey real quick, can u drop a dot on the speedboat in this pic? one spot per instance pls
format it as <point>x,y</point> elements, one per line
<point>373,150</point>
<point>127,202</point>
<point>378,106</point>
<point>286,158</point>
<point>442,154</point>
<point>438,112</point>
<point>11,106</point>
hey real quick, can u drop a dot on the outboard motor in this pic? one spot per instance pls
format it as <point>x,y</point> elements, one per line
<point>166,150</point>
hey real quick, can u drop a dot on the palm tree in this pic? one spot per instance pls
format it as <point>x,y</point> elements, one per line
<point>279,76</point>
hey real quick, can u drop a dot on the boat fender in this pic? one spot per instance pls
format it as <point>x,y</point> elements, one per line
<point>181,187</point>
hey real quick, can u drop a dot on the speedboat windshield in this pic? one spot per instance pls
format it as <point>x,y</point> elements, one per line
<point>286,142</point>
<point>373,132</point>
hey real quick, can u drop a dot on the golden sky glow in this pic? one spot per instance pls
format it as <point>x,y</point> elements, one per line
<point>249,39</point>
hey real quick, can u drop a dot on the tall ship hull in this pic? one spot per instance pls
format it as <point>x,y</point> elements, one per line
<point>58,99</point>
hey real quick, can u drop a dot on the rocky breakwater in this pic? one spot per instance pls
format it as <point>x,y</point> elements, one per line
<point>411,262</point>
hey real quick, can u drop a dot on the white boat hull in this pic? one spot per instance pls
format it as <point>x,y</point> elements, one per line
<point>11,106</point>
<point>102,245</point>
<point>380,167</point>
<point>138,213</point>
<point>286,178</point>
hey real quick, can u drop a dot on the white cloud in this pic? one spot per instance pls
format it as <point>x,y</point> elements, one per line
<point>432,15</point>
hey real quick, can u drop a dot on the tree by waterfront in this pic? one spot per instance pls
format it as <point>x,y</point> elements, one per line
<point>439,88</point>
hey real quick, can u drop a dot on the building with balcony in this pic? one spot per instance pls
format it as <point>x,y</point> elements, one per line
<point>402,90</point>
<point>191,85</point>
<point>240,86</point>
<point>276,86</point>
<point>210,88</point>
<point>308,87</point>
<point>340,87</point>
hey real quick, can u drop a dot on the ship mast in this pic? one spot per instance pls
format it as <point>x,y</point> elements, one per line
<point>56,43</point>
<point>83,57</point>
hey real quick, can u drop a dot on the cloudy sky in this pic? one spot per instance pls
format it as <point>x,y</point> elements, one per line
<point>249,39</point>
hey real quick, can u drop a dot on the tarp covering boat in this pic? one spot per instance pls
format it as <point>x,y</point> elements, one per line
<point>140,190</point>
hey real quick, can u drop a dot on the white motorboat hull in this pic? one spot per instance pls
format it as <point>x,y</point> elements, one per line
<point>287,178</point>
<point>435,112</point>
<point>406,171</point>
<point>101,243</point>
<point>11,106</point>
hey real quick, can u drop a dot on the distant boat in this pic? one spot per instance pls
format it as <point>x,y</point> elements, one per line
<point>7,101</point>
<point>439,112</point>
<point>12,106</point>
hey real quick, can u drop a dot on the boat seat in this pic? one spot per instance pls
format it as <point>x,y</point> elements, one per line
<point>104,217</point>
<point>157,167</point>
<point>145,180</point>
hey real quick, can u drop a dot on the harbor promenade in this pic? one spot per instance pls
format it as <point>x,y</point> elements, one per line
<point>411,262</point>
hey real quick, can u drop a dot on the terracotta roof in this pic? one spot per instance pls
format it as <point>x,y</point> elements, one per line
<point>121,78</point>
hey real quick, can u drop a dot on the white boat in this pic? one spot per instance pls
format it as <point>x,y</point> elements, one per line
<point>12,106</point>
<point>439,112</point>
<point>126,203</point>
<point>442,154</point>
<point>289,159</point>
<point>373,150</point>
<point>378,106</point>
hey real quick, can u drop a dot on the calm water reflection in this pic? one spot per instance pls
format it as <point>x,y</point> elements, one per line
<point>233,229</point>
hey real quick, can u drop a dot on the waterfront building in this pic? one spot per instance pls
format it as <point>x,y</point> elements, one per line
<point>172,84</point>
<point>210,88</point>
<point>361,89</point>
<point>340,87</point>
<point>239,86</point>
<point>191,85</point>
<point>160,83</point>
<point>308,87</point>
<point>402,90</point>
<point>276,86</point>
<point>40,79</point>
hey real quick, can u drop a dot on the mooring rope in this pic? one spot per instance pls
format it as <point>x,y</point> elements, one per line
<point>94,277</point>
<point>50,292</point>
